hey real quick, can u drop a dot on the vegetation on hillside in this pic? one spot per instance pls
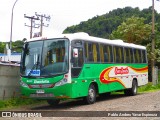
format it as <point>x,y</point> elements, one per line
<point>104,25</point>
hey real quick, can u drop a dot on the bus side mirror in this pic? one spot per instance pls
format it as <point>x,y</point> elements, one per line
<point>75,53</point>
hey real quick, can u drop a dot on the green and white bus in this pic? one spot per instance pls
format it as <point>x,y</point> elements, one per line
<point>77,65</point>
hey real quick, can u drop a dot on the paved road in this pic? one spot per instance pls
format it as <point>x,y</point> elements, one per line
<point>140,102</point>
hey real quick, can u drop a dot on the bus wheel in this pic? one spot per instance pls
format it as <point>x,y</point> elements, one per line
<point>132,91</point>
<point>91,98</point>
<point>53,102</point>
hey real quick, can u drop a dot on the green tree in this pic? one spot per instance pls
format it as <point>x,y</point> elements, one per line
<point>16,45</point>
<point>133,30</point>
<point>156,53</point>
<point>102,26</point>
<point>2,46</point>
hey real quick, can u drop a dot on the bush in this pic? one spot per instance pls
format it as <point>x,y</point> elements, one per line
<point>2,104</point>
<point>17,102</point>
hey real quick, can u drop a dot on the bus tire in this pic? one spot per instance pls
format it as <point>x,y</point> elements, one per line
<point>53,102</point>
<point>132,91</point>
<point>91,97</point>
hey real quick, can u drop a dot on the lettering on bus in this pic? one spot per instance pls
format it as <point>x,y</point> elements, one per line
<point>121,70</point>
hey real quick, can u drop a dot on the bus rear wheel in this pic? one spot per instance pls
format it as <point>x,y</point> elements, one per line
<point>91,98</point>
<point>53,102</point>
<point>132,91</point>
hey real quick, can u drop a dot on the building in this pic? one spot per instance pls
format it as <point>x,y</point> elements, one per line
<point>14,57</point>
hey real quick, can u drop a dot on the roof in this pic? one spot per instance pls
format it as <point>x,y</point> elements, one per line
<point>85,36</point>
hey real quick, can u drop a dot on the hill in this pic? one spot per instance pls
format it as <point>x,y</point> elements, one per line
<point>102,26</point>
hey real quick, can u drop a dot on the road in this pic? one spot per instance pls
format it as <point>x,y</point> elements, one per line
<point>141,102</point>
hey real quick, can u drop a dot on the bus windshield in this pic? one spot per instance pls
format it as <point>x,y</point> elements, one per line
<point>45,58</point>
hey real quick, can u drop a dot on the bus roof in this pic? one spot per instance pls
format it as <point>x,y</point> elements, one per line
<point>86,37</point>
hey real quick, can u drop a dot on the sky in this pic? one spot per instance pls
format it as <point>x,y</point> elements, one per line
<point>63,13</point>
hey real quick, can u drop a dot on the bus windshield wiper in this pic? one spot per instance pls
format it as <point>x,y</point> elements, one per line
<point>35,65</point>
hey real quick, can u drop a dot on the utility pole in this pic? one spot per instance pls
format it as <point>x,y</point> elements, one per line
<point>153,45</point>
<point>32,25</point>
<point>153,42</point>
<point>42,16</point>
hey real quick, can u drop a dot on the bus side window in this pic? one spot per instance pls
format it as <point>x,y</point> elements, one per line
<point>95,52</point>
<point>126,55</point>
<point>86,51</point>
<point>144,56</point>
<point>90,52</point>
<point>135,58</point>
<point>98,55</point>
<point>101,53</point>
<point>111,54</point>
<point>121,56</point>
<point>139,56</point>
<point>78,61</point>
<point>131,55</point>
<point>107,53</point>
<point>114,53</point>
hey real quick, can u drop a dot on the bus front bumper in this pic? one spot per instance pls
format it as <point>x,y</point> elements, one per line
<point>57,92</point>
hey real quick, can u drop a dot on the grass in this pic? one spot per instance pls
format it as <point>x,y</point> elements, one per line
<point>159,76</point>
<point>146,88</point>
<point>10,103</point>
<point>149,88</point>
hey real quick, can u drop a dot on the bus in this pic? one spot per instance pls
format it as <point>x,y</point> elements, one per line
<point>70,66</point>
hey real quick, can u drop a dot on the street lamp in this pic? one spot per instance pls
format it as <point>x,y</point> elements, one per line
<point>12,24</point>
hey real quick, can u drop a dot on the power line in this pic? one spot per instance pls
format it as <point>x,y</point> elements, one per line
<point>32,24</point>
<point>42,17</point>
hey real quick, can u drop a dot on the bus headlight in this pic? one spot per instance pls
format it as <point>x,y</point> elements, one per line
<point>23,84</point>
<point>61,82</point>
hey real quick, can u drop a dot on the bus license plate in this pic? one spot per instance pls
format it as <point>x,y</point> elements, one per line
<point>40,91</point>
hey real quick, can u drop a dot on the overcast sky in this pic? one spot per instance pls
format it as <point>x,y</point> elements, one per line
<point>63,13</point>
